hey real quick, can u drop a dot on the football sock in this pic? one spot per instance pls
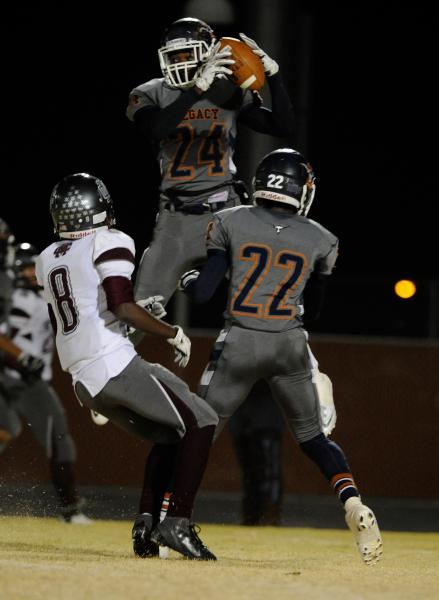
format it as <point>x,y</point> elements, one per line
<point>331,461</point>
<point>159,467</point>
<point>189,468</point>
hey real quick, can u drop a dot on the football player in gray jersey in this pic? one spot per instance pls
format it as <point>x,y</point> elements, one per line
<point>34,401</point>
<point>191,116</point>
<point>278,260</point>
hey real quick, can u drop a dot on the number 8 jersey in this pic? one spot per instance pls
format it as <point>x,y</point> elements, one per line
<point>90,340</point>
<point>272,254</point>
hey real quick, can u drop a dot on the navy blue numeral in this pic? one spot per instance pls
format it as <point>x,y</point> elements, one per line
<point>284,259</point>
<point>261,258</point>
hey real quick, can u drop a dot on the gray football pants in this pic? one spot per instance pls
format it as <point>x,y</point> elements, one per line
<point>241,357</point>
<point>39,407</point>
<point>178,245</point>
<point>149,401</point>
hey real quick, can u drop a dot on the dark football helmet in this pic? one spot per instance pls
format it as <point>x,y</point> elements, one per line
<point>7,248</point>
<point>79,205</point>
<point>183,47</point>
<point>25,256</point>
<point>286,177</point>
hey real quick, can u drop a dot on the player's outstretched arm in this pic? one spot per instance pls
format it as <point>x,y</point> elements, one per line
<point>200,287</point>
<point>157,123</point>
<point>279,121</point>
<point>139,318</point>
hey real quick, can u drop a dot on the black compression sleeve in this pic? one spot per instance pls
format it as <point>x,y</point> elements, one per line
<point>279,121</point>
<point>313,296</point>
<point>202,289</point>
<point>157,123</point>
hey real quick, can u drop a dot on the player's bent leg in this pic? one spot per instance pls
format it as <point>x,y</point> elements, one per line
<point>150,401</point>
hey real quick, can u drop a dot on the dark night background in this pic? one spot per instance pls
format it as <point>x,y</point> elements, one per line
<point>369,114</point>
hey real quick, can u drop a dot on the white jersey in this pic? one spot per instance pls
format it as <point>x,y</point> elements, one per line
<point>90,340</point>
<point>30,328</point>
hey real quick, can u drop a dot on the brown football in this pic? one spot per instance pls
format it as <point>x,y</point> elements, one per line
<point>248,70</point>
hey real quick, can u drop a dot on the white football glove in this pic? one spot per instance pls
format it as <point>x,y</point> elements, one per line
<point>154,305</point>
<point>182,347</point>
<point>214,66</point>
<point>186,278</point>
<point>270,66</point>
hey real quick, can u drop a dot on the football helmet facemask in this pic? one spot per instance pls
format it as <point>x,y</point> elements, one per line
<point>7,248</point>
<point>185,44</point>
<point>80,204</point>
<point>25,256</point>
<point>284,176</point>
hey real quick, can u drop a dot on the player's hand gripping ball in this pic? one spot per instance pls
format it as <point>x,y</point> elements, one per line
<point>248,70</point>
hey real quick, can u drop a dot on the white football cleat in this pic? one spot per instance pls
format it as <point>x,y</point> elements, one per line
<point>362,522</point>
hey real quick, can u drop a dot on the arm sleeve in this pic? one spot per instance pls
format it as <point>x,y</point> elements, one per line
<point>202,289</point>
<point>314,296</point>
<point>157,123</point>
<point>279,121</point>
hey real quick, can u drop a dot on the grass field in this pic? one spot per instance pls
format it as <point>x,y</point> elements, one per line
<point>47,560</point>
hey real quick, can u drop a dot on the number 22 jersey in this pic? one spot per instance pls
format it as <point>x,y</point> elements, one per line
<point>272,255</point>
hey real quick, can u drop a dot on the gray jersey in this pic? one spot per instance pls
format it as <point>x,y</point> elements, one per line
<point>199,154</point>
<point>272,255</point>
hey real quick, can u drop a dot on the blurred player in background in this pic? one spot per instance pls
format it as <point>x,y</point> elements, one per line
<point>86,277</point>
<point>190,115</point>
<point>29,365</point>
<point>32,400</point>
<point>278,258</point>
<point>257,429</point>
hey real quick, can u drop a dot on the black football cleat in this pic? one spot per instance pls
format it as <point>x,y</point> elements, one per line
<point>182,536</point>
<point>141,536</point>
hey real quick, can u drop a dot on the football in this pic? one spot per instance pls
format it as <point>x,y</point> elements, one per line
<point>248,70</point>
